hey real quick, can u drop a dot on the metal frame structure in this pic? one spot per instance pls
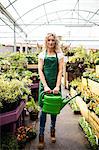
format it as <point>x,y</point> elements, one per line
<point>87,22</point>
<point>12,20</point>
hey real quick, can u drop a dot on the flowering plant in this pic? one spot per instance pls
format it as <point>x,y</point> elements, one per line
<point>21,135</point>
<point>25,133</point>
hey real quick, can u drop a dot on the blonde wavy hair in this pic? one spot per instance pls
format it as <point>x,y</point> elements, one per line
<point>57,47</point>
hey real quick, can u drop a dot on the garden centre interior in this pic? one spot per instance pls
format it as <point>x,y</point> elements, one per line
<point>23,27</point>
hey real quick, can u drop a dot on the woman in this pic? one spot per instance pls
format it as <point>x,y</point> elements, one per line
<point>50,67</point>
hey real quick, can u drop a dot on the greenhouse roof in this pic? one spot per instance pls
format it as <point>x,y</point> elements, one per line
<point>32,19</point>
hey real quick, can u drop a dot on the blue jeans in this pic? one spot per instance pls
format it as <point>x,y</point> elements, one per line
<point>43,122</point>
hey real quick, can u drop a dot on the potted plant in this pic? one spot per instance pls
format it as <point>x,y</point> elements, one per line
<point>31,132</point>
<point>32,58</point>
<point>21,136</point>
<point>11,93</point>
<point>35,77</point>
<point>32,108</point>
<point>4,65</point>
<point>25,134</point>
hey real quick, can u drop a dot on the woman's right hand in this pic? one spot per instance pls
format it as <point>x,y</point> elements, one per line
<point>47,89</point>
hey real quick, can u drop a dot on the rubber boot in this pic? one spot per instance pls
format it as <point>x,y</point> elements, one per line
<point>53,139</point>
<point>41,142</point>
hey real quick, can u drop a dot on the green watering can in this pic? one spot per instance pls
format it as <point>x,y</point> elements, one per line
<point>52,103</point>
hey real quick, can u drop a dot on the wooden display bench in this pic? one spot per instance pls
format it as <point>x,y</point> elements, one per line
<point>32,66</point>
<point>34,85</point>
<point>84,81</point>
<point>82,106</point>
<point>94,86</point>
<point>97,69</point>
<point>34,90</point>
<point>91,117</point>
<point>13,116</point>
<point>68,77</point>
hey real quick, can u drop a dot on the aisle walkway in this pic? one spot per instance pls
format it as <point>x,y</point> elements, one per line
<point>69,135</point>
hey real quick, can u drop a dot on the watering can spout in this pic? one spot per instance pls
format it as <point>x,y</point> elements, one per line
<point>66,101</point>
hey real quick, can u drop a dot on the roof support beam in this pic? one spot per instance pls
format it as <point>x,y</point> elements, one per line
<point>11,19</point>
<point>11,3</point>
<point>14,39</point>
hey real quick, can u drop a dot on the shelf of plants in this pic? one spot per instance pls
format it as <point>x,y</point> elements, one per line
<point>86,82</point>
<point>15,92</point>
<point>12,116</point>
<point>88,104</point>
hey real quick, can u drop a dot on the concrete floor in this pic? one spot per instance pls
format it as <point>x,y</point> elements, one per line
<point>69,135</point>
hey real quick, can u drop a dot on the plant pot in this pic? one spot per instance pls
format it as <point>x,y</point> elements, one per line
<point>12,116</point>
<point>9,106</point>
<point>31,135</point>
<point>33,116</point>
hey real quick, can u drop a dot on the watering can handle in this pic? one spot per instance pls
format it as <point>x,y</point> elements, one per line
<point>43,93</point>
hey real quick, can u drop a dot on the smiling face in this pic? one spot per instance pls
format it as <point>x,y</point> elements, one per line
<point>51,42</point>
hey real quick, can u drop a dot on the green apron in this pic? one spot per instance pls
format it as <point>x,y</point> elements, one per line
<point>50,70</point>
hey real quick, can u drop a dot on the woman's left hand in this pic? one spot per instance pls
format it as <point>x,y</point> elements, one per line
<point>56,90</point>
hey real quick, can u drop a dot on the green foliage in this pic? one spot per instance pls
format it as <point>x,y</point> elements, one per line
<point>94,77</point>
<point>34,76</point>
<point>74,83</point>
<point>97,61</point>
<point>67,51</point>
<point>27,73</point>
<point>31,105</point>
<point>89,132</point>
<point>1,57</point>
<point>74,105</point>
<point>11,74</point>
<point>17,60</point>
<point>32,58</point>
<point>86,74</point>
<point>8,142</point>
<point>97,110</point>
<point>91,75</point>
<point>11,91</point>
<point>93,56</point>
<point>4,65</point>
<point>79,54</point>
<point>78,63</point>
<point>94,106</point>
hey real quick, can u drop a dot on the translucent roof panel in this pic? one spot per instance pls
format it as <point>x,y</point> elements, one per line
<point>73,19</point>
